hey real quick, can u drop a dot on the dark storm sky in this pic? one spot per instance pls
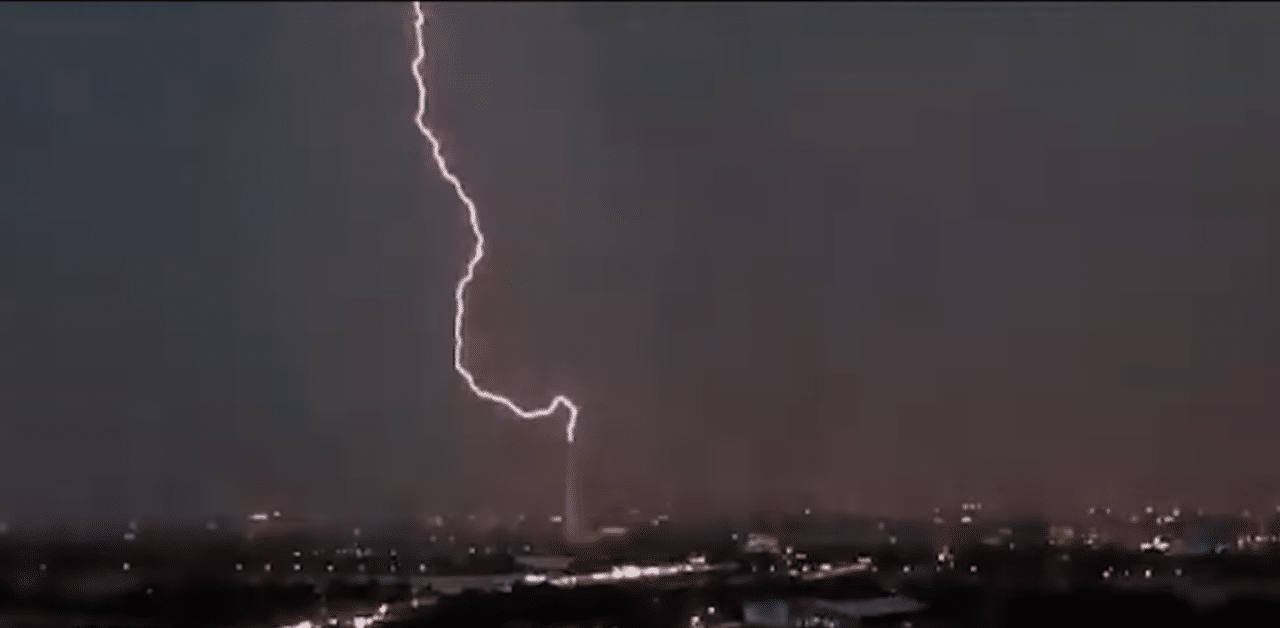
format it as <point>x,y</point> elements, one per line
<point>873,257</point>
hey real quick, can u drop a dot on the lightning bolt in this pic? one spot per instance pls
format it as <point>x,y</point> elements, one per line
<point>459,294</point>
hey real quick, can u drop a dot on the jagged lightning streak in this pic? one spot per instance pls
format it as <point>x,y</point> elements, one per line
<point>459,295</point>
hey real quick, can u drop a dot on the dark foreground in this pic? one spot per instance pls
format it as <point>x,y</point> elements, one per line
<point>952,604</point>
<point>273,584</point>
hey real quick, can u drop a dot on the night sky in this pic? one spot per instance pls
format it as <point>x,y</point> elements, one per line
<point>865,257</point>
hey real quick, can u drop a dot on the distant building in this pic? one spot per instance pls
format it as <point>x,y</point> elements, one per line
<point>1215,533</point>
<point>1029,532</point>
<point>1065,535</point>
<point>757,543</point>
<point>1101,529</point>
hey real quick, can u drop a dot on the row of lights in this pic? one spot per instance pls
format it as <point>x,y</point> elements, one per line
<point>1147,573</point>
<point>1175,511</point>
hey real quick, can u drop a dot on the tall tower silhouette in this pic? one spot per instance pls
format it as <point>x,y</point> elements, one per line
<point>572,531</point>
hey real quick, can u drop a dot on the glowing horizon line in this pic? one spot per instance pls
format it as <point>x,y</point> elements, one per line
<point>459,293</point>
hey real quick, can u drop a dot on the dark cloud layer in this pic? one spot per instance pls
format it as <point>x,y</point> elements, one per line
<point>860,256</point>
